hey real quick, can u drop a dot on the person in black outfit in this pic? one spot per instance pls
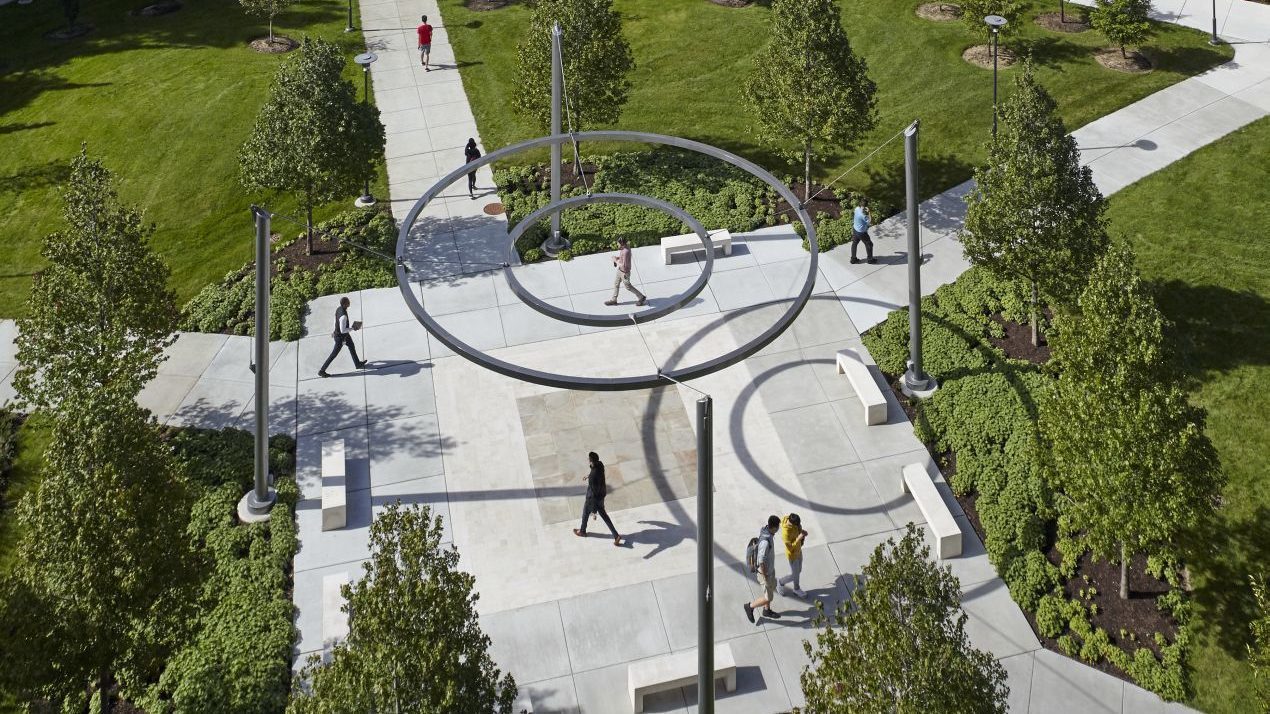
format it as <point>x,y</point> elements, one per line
<point>472,153</point>
<point>343,335</point>
<point>596,490</point>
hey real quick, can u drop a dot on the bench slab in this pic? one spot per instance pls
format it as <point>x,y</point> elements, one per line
<point>673,671</point>
<point>690,243</point>
<point>851,363</point>
<point>917,481</point>
<point>334,486</point>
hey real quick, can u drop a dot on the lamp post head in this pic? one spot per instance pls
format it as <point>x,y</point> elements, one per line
<point>365,59</point>
<point>996,22</point>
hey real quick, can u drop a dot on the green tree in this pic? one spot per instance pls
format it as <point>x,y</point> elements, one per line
<point>1035,213</point>
<point>973,12</point>
<point>101,559</point>
<point>312,136</point>
<point>414,642</point>
<point>1259,650</point>
<point>101,312</point>
<point>267,9</point>
<point>596,59</point>
<point>1129,452</point>
<point>807,86</point>
<point>899,644</point>
<point>1122,22</point>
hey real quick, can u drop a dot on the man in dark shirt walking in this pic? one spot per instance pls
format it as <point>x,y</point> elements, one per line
<point>343,335</point>
<point>425,42</point>
<point>596,490</point>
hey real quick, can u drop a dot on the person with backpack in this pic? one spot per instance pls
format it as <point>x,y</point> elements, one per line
<point>760,555</point>
<point>596,490</point>
<point>793,536</point>
<point>471,153</point>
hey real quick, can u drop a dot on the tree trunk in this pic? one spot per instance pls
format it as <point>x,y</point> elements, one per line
<point>1124,571</point>
<point>1123,53</point>
<point>806,171</point>
<point>308,225</point>
<point>271,29</point>
<point>1061,16</point>
<point>103,679</point>
<point>1036,321</point>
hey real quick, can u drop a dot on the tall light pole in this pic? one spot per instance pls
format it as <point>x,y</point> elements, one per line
<point>255,506</point>
<point>555,242</point>
<point>916,381</point>
<point>995,23</point>
<point>1214,40</point>
<point>366,59</point>
<point>705,555</point>
<point>349,27</point>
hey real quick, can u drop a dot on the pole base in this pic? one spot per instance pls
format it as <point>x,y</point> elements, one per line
<point>252,510</point>
<point>918,386</point>
<point>1214,41</point>
<point>365,201</point>
<point>350,28</point>
<point>553,245</point>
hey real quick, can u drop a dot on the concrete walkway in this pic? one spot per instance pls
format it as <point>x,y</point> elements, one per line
<point>502,461</point>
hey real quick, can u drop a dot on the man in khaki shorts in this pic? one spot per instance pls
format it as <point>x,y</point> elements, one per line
<point>766,573</point>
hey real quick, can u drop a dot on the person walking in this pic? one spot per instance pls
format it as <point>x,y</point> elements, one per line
<point>793,536</point>
<point>596,490</point>
<point>472,154</point>
<point>765,560</point>
<point>425,43</point>
<point>622,261</point>
<point>343,336</point>
<point>860,231</point>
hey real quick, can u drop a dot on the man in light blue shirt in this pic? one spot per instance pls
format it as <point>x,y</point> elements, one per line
<point>860,231</point>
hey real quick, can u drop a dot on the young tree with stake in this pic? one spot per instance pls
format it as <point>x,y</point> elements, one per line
<point>807,87</point>
<point>1130,454</point>
<point>1035,213</point>
<point>1122,22</point>
<point>312,137</point>
<point>268,9</point>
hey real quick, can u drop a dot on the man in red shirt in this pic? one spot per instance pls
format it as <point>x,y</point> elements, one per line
<point>425,42</point>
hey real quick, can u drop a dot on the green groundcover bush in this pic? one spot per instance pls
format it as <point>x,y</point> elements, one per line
<point>982,425</point>
<point>237,655</point>
<point>229,306</point>
<point>716,194</point>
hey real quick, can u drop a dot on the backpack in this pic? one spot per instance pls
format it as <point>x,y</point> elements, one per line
<point>751,555</point>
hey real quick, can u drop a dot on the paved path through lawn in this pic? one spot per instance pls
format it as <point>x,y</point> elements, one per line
<point>502,460</point>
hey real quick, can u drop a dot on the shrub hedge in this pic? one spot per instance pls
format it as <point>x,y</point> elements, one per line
<point>982,425</point>
<point>716,194</point>
<point>229,306</point>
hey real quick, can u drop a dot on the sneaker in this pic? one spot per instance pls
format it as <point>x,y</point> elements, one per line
<point>323,374</point>
<point>800,593</point>
<point>641,302</point>
<point>579,533</point>
<point>610,302</point>
<point>855,260</point>
<point>617,541</point>
<point>780,589</point>
<point>749,612</point>
<point>361,365</point>
<point>769,612</point>
<point>872,261</point>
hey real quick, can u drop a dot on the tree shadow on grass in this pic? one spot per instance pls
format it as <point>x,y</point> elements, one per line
<point>1054,53</point>
<point>1227,555</point>
<point>1185,60</point>
<point>20,88</point>
<point>935,174</point>
<point>35,177</point>
<point>1214,328</point>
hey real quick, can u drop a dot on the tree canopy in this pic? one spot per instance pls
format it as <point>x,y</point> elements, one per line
<point>312,137</point>
<point>1129,451</point>
<point>807,87</point>
<point>974,11</point>
<point>1035,213</point>
<point>1122,22</point>
<point>100,314</point>
<point>266,8</point>
<point>414,642</point>
<point>595,56</point>
<point>900,643</point>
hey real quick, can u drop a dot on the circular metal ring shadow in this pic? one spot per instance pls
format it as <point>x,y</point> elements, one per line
<point>593,320</point>
<point>565,381</point>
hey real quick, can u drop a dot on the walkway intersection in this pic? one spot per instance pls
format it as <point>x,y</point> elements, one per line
<point>503,461</point>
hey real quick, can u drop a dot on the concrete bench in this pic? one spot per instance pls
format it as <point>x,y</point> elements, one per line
<point>851,363</point>
<point>334,485</point>
<point>334,619</point>
<point>690,243</point>
<point>916,481</point>
<point>661,674</point>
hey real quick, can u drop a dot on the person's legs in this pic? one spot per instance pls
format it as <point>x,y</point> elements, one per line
<point>795,574</point>
<point>626,281</point>
<point>868,246</point>
<point>427,53</point>
<point>471,183</point>
<point>608,522</point>
<point>352,350</point>
<point>617,283</point>
<point>855,241</point>
<point>586,513</point>
<point>339,344</point>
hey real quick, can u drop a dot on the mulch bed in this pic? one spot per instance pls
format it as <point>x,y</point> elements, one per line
<point>1017,343</point>
<point>1051,21</point>
<point>324,251</point>
<point>1135,63</point>
<point>160,8</point>
<point>69,33</point>
<point>826,202</point>
<point>484,5</point>
<point>732,3</point>
<point>278,45</point>
<point>981,56</point>
<point>939,11</point>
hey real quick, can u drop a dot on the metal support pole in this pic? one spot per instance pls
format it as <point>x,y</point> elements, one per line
<point>367,198</point>
<point>705,555</point>
<point>259,500</point>
<point>915,379</point>
<point>1214,40</point>
<point>554,243</point>
<point>350,27</point>
<point>995,34</point>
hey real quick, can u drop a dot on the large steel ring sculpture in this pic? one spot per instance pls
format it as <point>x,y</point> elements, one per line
<point>645,381</point>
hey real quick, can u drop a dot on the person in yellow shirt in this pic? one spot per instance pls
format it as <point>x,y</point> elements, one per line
<point>793,536</point>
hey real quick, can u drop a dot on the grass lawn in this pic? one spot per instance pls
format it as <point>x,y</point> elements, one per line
<point>692,57</point>
<point>1198,228</point>
<point>165,102</point>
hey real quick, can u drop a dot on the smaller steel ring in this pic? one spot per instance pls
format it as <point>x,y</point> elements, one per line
<point>594,320</point>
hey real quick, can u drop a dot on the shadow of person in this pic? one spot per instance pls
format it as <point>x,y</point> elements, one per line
<point>661,535</point>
